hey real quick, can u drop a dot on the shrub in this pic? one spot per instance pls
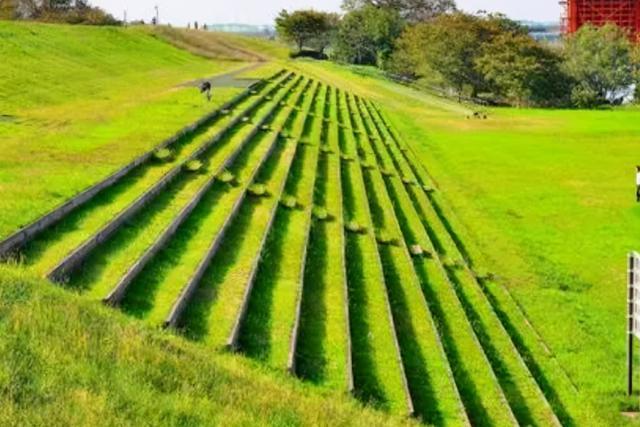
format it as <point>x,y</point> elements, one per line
<point>289,201</point>
<point>320,213</point>
<point>387,172</point>
<point>257,190</point>
<point>193,166</point>
<point>385,238</point>
<point>355,227</point>
<point>162,155</point>
<point>226,177</point>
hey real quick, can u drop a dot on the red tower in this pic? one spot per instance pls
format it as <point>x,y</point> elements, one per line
<point>624,13</point>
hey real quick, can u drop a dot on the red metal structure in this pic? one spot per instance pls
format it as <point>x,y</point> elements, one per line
<point>624,13</point>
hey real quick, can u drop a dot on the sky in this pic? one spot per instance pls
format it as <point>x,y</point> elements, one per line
<point>264,11</point>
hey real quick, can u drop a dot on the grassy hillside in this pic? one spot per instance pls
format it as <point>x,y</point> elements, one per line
<point>478,265</point>
<point>544,200</point>
<point>99,96</point>
<point>67,361</point>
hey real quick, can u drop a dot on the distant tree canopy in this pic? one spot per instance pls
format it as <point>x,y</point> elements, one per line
<point>603,62</point>
<point>484,57</point>
<point>366,35</point>
<point>410,10</point>
<point>67,11</point>
<point>487,54</point>
<point>307,28</point>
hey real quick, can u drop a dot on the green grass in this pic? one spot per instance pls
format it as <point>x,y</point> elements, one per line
<point>44,252</point>
<point>211,316</point>
<point>284,285</point>
<point>542,200</point>
<point>378,373</point>
<point>470,366</point>
<point>68,361</point>
<point>109,94</point>
<point>430,381</point>
<point>323,346</point>
<point>153,293</point>
<point>110,263</point>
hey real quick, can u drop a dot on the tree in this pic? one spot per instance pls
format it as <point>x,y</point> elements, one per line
<point>600,60</point>
<point>523,71</point>
<point>306,28</point>
<point>411,10</point>
<point>449,46</point>
<point>367,35</point>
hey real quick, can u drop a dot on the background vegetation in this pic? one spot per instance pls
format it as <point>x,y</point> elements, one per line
<point>486,58</point>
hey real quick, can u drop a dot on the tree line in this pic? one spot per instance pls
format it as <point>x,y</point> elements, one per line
<point>65,11</point>
<point>485,57</point>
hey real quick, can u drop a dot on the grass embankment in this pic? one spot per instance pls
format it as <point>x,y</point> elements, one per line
<point>155,290</point>
<point>108,264</point>
<point>324,347</point>
<point>217,305</point>
<point>523,393</point>
<point>276,290</point>
<point>470,366</point>
<point>44,252</point>
<point>378,372</point>
<point>68,361</point>
<point>108,93</point>
<point>535,196</point>
<point>429,376</point>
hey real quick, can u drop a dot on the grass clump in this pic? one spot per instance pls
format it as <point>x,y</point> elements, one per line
<point>387,172</point>
<point>258,190</point>
<point>385,238</point>
<point>355,227</point>
<point>193,166</point>
<point>320,213</point>
<point>226,177</point>
<point>325,149</point>
<point>162,155</point>
<point>289,201</point>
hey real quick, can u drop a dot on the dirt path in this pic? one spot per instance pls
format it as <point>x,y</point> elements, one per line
<point>228,79</point>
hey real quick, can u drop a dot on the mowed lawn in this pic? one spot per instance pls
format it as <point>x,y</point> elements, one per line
<point>77,103</point>
<point>543,199</point>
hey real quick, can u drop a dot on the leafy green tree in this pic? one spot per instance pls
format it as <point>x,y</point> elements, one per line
<point>601,62</point>
<point>367,35</point>
<point>306,28</point>
<point>411,10</point>
<point>523,71</point>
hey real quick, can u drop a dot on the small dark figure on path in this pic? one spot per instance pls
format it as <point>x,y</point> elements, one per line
<point>205,88</point>
<point>638,184</point>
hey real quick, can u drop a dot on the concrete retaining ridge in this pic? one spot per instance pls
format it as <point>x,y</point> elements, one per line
<point>18,239</point>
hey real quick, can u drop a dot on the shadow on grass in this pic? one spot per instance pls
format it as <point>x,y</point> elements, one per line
<point>512,392</point>
<point>32,252</point>
<point>97,263</point>
<point>311,355</point>
<point>468,392</point>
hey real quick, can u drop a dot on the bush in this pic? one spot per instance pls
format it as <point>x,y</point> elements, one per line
<point>162,155</point>
<point>257,190</point>
<point>226,177</point>
<point>289,201</point>
<point>193,166</point>
<point>320,213</point>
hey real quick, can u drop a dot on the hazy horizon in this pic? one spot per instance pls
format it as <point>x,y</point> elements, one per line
<point>259,12</point>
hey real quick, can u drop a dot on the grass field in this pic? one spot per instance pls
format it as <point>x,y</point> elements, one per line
<point>361,235</point>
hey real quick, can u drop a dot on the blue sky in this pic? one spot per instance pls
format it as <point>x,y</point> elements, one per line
<point>263,11</point>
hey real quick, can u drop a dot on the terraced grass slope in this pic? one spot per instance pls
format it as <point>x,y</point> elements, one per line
<point>85,95</point>
<point>294,228</point>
